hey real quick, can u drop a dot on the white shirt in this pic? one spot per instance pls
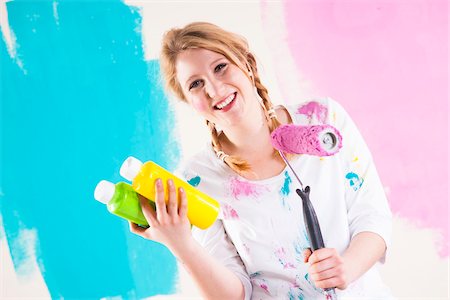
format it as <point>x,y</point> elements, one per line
<point>260,234</point>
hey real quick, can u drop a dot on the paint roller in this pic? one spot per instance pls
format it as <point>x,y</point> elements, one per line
<point>317,140</point>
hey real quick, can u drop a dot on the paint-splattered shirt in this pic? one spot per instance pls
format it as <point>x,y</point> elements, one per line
<point>261,236</point>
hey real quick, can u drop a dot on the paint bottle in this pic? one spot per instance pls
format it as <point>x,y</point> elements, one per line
<point>202,210</point>
<point>122,200</point>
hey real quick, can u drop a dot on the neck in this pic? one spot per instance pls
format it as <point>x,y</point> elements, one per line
<point>251,137</point>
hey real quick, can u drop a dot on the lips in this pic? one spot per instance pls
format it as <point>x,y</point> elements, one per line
<point>225,103</point>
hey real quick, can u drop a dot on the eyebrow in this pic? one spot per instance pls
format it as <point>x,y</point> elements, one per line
<point>195,75</point>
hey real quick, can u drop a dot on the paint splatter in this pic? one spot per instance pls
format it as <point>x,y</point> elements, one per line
<point>240,188</point>
<point>354,180</point>
<point>313,110</point>
<point>308,279</point>
<point>280,254</point>
<point>194,181</point>
<point>295,291</point>
<point>229,213</point>
<point>247,249</point>
<point>255,274</point>
<point>260,282</point>
<point>286,190</point>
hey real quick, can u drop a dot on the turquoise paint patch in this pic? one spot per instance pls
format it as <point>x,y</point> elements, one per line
<point>194,181</point>
<point>86,101</point>
<point>308,279</point>
<point>255,274</point>
<point>295,293</point>
<point>285,189</point>
<point>354,180</point>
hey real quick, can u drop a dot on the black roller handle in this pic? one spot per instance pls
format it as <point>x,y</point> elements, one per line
<point>311,222</point>
<point>313,229</point>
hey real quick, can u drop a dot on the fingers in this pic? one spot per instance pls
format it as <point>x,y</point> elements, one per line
<point>327,268</point>
<point>148,211</point>
<point>136,229</point>
<point>182,210</point>
<point>324,258</point>
<point>172,205</point>
<point>161,207</point>
<point>327,274</point>
<point>330,278</point>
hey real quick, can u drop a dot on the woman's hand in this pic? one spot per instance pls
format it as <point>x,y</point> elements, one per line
<point>327,268</point>
<point>169,225</point>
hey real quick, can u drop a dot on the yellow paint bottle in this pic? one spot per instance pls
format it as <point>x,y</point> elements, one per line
<point>202,210</point>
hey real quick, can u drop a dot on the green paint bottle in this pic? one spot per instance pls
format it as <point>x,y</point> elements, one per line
<point>121,200</point>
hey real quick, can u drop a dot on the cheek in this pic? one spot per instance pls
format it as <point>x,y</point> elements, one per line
<point>199,105</point>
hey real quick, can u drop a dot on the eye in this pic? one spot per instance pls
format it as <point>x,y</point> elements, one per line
<point>220,67</point>
<point>195,84</point>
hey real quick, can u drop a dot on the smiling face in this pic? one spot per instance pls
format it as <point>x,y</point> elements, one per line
<point>216,88</point>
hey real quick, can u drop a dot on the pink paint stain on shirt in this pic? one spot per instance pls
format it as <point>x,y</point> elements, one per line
<point>265,288</point>
<point>229,212</point>
<point>314,109</point>
<point>280,253</point>
<point>240,188</point>
<point>247,249</point>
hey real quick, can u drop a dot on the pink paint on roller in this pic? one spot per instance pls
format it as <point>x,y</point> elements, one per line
<point>318,140</point>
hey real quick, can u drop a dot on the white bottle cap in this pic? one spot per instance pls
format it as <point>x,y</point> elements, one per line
<point>130,168</point>
<point>104,191</point>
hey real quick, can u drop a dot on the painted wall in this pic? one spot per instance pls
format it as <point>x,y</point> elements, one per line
<point>77,99</point>
<point>80,92</point>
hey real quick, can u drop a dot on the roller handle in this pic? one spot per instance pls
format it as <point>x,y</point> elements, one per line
<point>311,222</point>
<point>313,229</point>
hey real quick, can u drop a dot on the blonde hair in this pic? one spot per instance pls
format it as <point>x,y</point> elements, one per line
<point>235,49</point>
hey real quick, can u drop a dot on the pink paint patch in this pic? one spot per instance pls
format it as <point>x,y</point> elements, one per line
<point>380,46</point>
<point>265,288</point>
<point>280,253</point>
<point>247,249</point>
<point>240,188</point>
<point>229,212</point>
<point>314,109</point>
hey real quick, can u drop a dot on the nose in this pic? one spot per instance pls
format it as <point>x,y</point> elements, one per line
<point>214,88</point>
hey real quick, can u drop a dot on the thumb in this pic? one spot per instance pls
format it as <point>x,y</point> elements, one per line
<point>306,254</point>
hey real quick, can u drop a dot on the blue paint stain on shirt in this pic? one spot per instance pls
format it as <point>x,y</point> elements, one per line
<point>295,293</point>
<point>308,279</point>
<point>285,189</point>
<point>354,180</point>
<point>194,181</point>
<point>86,101</point>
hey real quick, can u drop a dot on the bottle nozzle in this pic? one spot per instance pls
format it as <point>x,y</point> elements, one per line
<point>130,168</point>
<point>104,191</point>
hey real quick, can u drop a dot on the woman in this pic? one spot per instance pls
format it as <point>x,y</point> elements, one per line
<point>259,249</point>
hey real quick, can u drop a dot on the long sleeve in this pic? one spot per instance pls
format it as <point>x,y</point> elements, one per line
<point>215,240</point>
<point>367,206</point>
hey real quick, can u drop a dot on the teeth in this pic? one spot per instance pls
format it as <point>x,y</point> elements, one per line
<point>225,102</point>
